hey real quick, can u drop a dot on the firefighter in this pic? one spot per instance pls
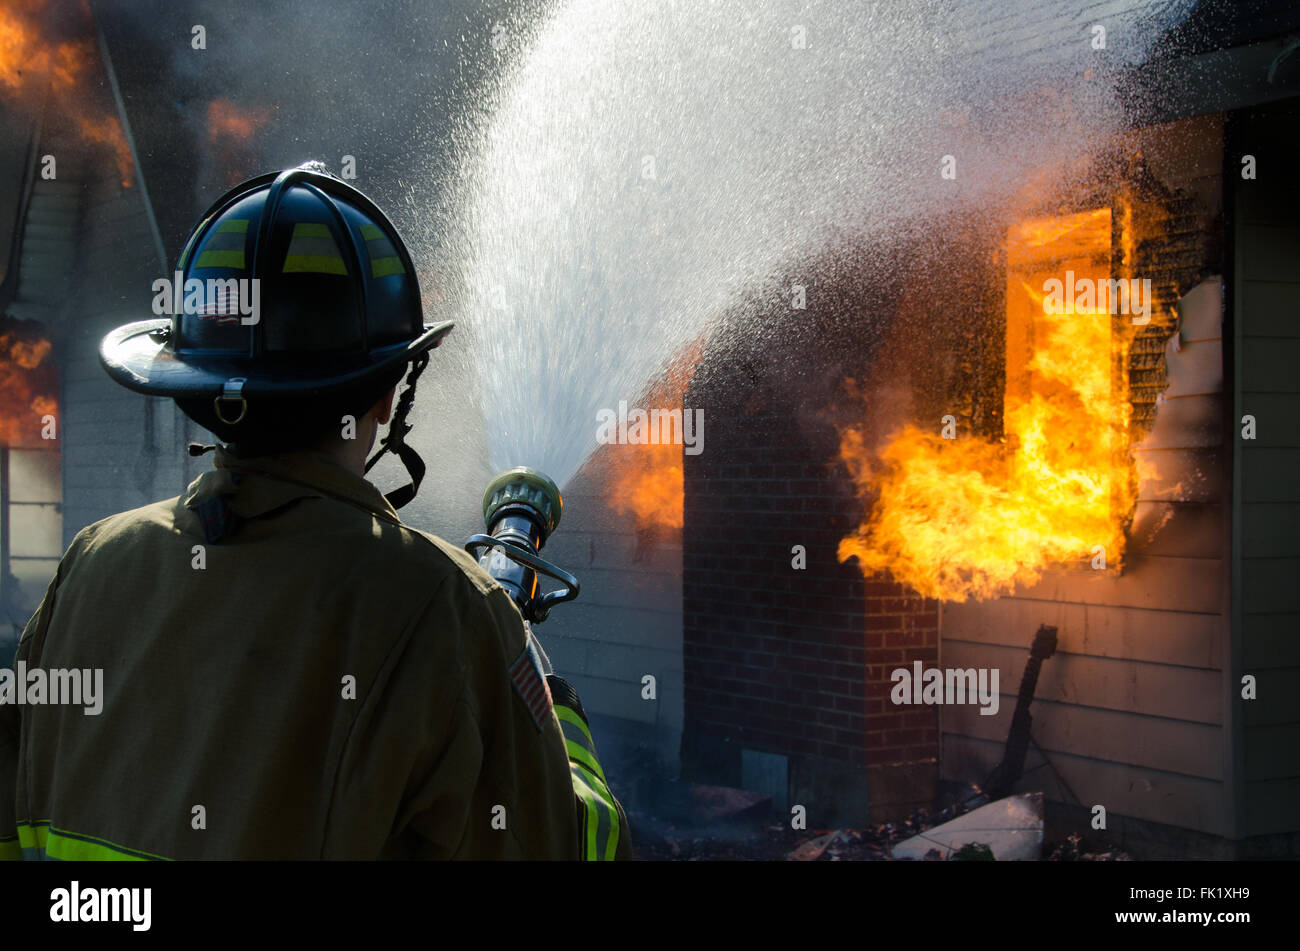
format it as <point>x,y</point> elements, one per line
<point>288,670</point>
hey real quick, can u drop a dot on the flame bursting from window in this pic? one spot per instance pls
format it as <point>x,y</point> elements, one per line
<point>648,481</point>
<point>27,384</point>
<point>30,61</point>
<point>971,517</point>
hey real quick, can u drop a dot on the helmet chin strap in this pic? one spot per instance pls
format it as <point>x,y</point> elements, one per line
<point>395,440</point>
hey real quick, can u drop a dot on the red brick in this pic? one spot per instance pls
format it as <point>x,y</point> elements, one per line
<point>833,719</point>
<point>904,639</point>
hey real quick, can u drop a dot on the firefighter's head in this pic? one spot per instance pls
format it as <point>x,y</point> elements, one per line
<point>294,306</point>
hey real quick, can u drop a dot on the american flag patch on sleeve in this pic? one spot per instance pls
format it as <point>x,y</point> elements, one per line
<point>530,684</point>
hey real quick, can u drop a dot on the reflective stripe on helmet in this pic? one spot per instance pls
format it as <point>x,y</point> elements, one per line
<point>224,247</point>
<point>221,259</point>
<point>384,259</point>
<point>312,251</point>
<point>383,267</point>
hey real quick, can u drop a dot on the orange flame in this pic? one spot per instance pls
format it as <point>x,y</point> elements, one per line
<point>26,387</point>
<point>228,121</point>
<point>106,130</point>
<point>648,481</point>
<point>25,59</point>
<point>975,518</point>
<point>650,486</point>
<point>29,62</point>
<point>230,137</point>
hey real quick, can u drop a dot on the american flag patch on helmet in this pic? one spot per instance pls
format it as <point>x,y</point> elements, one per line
<point>530,683</point>
<point>222,303</point>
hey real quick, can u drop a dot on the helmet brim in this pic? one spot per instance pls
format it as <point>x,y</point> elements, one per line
<point>138,357</point>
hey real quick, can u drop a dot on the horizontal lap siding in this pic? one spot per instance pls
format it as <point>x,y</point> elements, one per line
<point>1129,711</point>
<point>1143,793</point>
<point>1129,708</point>
<point>117,452</point>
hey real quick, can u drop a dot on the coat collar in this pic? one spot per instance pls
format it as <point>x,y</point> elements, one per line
<point>258,485</point>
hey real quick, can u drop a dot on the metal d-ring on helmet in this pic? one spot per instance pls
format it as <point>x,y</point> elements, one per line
<point>335,315</point>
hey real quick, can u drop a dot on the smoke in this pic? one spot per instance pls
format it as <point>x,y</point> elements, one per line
<point>379,82</point>
<point>394,86</point>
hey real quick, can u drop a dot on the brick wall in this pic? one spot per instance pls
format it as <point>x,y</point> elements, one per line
<point>781,660</point>
<point>902,628</point>
<point>1179,239</point>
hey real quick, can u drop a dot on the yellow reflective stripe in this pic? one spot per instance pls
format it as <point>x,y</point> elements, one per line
<point>383,267</point>
<point>597,796</point>
<point>607,800</point>
<point>224,247</point>
<point>589,784</point>
<point>578,741</point>
<point>384,260</point>
<point>611,847</point>
<point>221,259</point>
<point>312,250</point>
<point>10,850</point>
<point>581,756</point>
<point>589,800</point>
<point>79,850</point>
<point>33,836</point>
<point>313,264</point>
<point>50,842</point>
<point>571,716</point>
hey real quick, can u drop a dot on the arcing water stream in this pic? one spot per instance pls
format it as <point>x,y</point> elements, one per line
<point>645,166</point>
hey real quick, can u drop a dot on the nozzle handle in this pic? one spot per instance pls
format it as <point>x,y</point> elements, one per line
<point>539,608</point>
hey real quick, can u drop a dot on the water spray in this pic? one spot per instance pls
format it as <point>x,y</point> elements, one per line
<point>521,508</point>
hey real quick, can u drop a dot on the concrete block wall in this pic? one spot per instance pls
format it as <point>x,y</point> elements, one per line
<point>626,625</point>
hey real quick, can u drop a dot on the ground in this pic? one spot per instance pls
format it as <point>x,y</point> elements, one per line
<point>696,838</point>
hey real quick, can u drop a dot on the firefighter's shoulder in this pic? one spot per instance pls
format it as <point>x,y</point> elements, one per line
<point>452,559</point>
<point>124,527</point>
<point>460,578</point>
